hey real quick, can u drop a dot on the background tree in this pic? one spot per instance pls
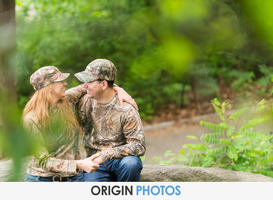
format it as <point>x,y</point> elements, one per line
<point>7,46</point>
<point>14,142</point>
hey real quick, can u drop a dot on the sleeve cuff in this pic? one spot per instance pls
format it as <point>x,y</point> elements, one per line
<point>71,167</point>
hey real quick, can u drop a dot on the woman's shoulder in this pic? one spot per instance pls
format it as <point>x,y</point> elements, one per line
<point>30,122</point>
<point>30,117</point>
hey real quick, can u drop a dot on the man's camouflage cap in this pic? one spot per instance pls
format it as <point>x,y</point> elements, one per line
<point>45,76</point>
<point>98,69</point>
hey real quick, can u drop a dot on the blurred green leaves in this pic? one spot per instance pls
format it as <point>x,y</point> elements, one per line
<point>185,11</point>
<point>259,16</point>
<point>15,142</point>
<point>179,53</point>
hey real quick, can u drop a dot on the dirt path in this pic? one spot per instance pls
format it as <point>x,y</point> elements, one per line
<point>173,138</point>
<point>172,135</point>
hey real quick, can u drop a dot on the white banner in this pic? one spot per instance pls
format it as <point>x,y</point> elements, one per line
<point>139,190</point>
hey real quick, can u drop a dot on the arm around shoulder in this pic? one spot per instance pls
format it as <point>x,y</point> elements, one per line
<point>75,94</point>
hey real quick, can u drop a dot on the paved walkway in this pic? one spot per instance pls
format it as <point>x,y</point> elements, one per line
<point>173,135</point>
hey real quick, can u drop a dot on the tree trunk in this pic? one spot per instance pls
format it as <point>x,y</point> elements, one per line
<point>7,64</point>
<point>7,48</point>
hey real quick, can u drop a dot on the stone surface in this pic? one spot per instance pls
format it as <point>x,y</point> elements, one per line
<point>4,170</point>
<point>176,173</point>
<point>180,173</point>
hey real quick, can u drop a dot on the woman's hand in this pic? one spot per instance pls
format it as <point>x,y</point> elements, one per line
<point>87,165</point>
<point>97,158</point>
<point>123,96</point>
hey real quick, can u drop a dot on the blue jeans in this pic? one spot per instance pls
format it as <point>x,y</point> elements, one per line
<point>123,170</point>
<point>30,178</point>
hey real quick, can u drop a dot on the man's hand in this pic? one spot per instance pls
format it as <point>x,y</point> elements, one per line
<point>87,165</point>
<point>96,158</point>
<point>123,96</point>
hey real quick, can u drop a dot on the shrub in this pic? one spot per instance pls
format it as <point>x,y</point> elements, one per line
<point>239,141</point>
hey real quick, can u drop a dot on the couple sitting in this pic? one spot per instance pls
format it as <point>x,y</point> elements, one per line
<point>87,133</point>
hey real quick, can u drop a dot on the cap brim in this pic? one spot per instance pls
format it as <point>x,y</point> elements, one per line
<point>62,77</point>
<point>84,77</point>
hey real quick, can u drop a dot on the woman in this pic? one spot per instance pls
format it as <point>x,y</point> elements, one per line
<point>49,116</point>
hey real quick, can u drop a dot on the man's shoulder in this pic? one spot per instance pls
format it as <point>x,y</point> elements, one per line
<point>125,108</point>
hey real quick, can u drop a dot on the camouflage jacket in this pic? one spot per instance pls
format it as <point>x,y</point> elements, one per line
<point>61,159</point>
<point>115,132</point>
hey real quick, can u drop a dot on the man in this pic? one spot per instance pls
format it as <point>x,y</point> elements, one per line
<point>113,135</point>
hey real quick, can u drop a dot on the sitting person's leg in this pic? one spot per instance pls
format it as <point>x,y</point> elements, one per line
<point>31,178</point>
<point>127,169</point>
<point>77,178</point>
<point>100,175</point>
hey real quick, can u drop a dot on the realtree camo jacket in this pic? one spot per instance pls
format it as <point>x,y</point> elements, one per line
<point>59,159</point>
<point>115,132</point>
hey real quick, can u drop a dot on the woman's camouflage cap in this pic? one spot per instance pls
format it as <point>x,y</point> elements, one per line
<point>98,69</point>
<point>45,76</point>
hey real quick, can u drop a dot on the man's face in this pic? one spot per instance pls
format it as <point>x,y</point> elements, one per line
<point>94,88</point>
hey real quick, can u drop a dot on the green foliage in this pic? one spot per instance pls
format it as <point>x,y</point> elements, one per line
<point>156,45</point>
<point>15,142</point>
<point>246,146</point>
<point>71,34</point>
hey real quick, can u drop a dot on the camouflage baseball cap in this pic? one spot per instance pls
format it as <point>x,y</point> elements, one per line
<point>45,76</point>
<point>98,69</point>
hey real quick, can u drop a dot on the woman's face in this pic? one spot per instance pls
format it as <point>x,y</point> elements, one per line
<point>58,90</point>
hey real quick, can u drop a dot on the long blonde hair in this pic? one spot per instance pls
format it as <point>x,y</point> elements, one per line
<point>41,105</point>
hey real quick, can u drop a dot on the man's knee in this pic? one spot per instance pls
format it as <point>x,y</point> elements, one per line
<point>131,163</point>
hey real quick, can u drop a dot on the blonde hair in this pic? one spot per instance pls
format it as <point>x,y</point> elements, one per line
<point>41,105</point>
